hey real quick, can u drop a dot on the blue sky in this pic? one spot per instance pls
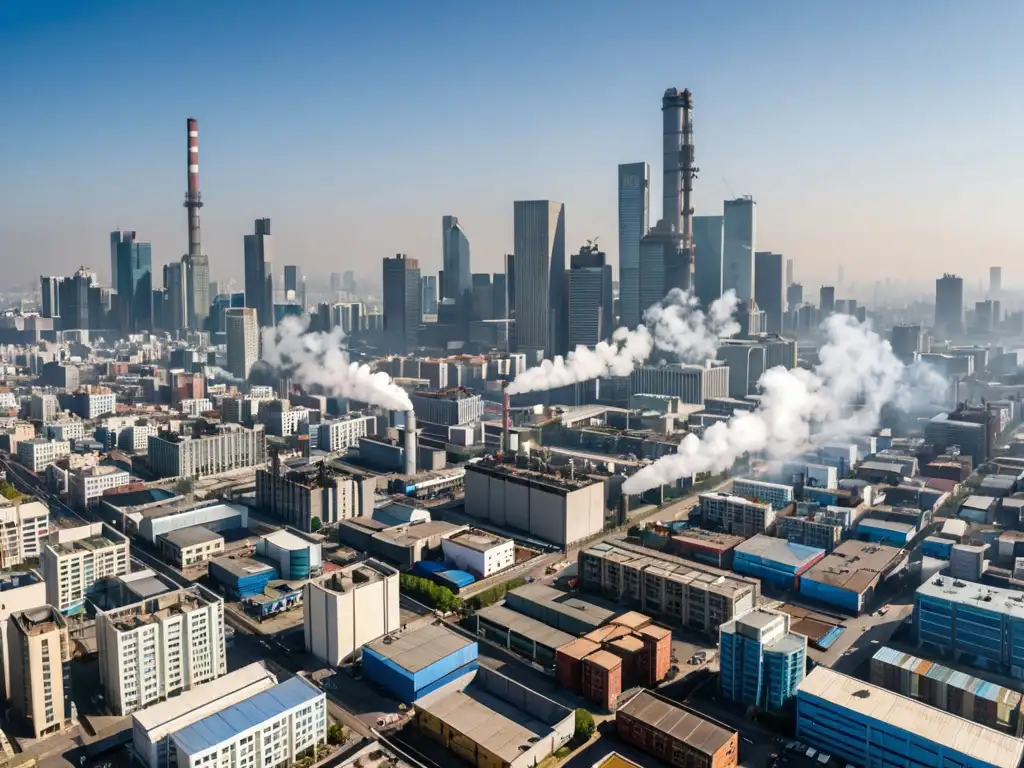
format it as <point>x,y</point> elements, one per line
<point>881,134</point>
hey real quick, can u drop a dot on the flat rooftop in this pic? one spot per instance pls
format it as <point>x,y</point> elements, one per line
<point>527,626</point>
<point>130,499</point>
<point>979,596</point>
<point>37,621</point>
<point>982,744</point>
<point>721,542</point>
<point>418,649</point>
<point>778,550</point>
<point>886,525</point>
<point>191,536</point>
<point>732,498</point>
<point>479,541</point>
<point>240,567</point>
<point>287,540</point>
<point>494,724</point>
<point>854,565</point>
<point>702,735</point>
<point>355,576</point>
<point>160,608</point>
<point>409,534</point>
<point>545,480</point>
<point>606,660</point>
<point>15,579</point>
<point>584,611</point>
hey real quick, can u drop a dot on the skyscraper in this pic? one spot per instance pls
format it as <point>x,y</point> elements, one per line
<point>995,281</point>
<point>115,240</point>
<point>455,259</point>
<point>335,285</point>
<point>949,305</point>
<point>827,300</point>
<point>259,262</point>
<point>429,294</point>
<point>243,340</point>
<point>402,303</point>
<point>540,297</point>
<point>176,291</point>
<point>348,282</point>
<point>50,289</point>
<point>770,288</point>
<point>634,223</point>
<point>73,300</point>
<point>590,289</point>
<point>738,247</point>
<point>789,272</point>
<point>197,282</point>
<point>134,284</point>
<point>708,236</point>
<point>291,282</point>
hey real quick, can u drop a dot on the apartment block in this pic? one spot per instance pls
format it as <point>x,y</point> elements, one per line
<point>87,484</point>
<point>233,447</point>
<point>77,560</point>
<point>21,590</point>
<point>24,528</point>
<point>776,494</point>
<point>38,454</point>
<point>40,656</point>
<point>762,662</point>
<point>735,514</point>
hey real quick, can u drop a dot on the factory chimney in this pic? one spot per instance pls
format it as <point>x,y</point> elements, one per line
<point>506,422</point>
<point>410,442</point>
<point>193,200</point>
<point>678,162</point>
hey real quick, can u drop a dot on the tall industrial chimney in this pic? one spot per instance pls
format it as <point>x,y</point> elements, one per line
<point>506,422</point>
<point>410,442</point>
<point>678,158</point>
<point>193,200</point>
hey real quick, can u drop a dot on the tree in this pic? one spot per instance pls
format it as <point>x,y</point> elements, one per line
<point>315,524</point>
<point>335,733</point>
<point>584,725</point>
<point>8,491</point>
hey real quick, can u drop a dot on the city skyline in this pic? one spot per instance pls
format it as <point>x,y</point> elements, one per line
<point>825,178</point>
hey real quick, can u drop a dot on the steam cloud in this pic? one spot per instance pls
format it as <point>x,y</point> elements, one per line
<point>674,325</point>
<point>841,398</point>
<point>321,360</point>
<point>219,374</point>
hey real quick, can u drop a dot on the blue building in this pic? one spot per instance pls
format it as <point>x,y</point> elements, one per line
<point>241,577</point>
<point>982,626</point>
<point>761,661</point>
<point>889,532</point>
<point>134,283</point>
<point>775,561</point>
<point>866,725</point>
<point>412,664</point>
<point>938,547</point>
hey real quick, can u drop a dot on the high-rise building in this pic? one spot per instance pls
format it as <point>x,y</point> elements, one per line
<point>78,560</point>
<point>949,305</point>
<point>540,295</point>
<point>291,282</point>
<point>482,297</point>
<point>770,288</point>
<point>590,311</point>
<point>827,300</point>
<point>115,242</point>
<point>40,656</point>
<point>259,261</point>
<point>176,295</point>
<point>50,292</point>
<point>510,283</point>
<point>348,282</point>
<point>738,246</point>
<point>995,281</point>
<point>429,294</point>
<point>134,284</point>
<point>455,259</point>
<point>907,342</point>
<point>665,263</point>
<point>402,303</point>
<point>762,661</point>
<point>197,283</point>
<point>708,241</point>
<point>243,340</point>
<point>335,285</point>
<point>789,271</point>
<point>794,296</point>
<point>634,223</point>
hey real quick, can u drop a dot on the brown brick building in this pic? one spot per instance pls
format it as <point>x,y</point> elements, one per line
<point>675,735</point>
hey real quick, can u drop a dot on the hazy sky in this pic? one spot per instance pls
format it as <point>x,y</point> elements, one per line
<point>884,134</point>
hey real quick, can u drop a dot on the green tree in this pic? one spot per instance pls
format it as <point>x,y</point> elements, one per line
<point>315,524</point>
<point>8,491</point>
<point>429,593</point>
<point>335,733</point>
<point>584,725</point>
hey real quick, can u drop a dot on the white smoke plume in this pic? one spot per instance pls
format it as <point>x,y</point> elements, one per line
<point>219,374</point>
<point>674,325</point>
<point>840,399</point>
<point>320,360</point>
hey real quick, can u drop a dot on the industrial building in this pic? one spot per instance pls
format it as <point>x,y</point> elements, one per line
<point>413,664</point>
<point>496,722</point>
<point>674,590</point>
<point>735,514</point>
<point>761,661</point>
<point>867,725</point>
<point>155,649</point>
<point>812,530</point>
<point>889,532</point>
<point>153,522</point>
<point>777,562</point>
<point>233,447</point>
<point>776,494</point>
<point>40,673</point>
<point>561,610</point>
<point>405,545</point>
<point>310,493</point>
<point>693,384</point>
<point>298,556</point>
<point>77,560</point>
<point>976,624</point>
<point>849,575</point>
<point>710,547</point>
<point>522,634</point>
<point>557,510</point>
<point>449,407</point>
<point>959,694</point>
<point>674,734</point>
<point>344,610</point>
<point>479,552</point>
<point>272,728</point>
<point>241,577</point>
<point>190,546</point>
<point>153,726</point>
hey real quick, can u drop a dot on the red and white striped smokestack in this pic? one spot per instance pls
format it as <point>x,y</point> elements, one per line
<point>193,200</point>
<point>193,156</point>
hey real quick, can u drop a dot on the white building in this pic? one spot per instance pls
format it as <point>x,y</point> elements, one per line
<point>738,246</point>
<point>136,437</point>
<point>67,430</point>
<point>479,553</point>
<point>346,609</point>
<point>243,340</point>
<point>40,655</point>
<point>776,494</point>
<point>156,521</point>
<point>153,727</point>
<point>77,558</point>
<point>271,729</point>
<point>43,408</point>
<point>189,546</point>
<point>195,406</point>
<point>24,528</point>
<point>693,384</point>
<point>297,555</point>
<point>233,447</point>
<point>90,405</point>
<point>157,648</point>
<point>262,392</point>
<point>340,434</point>
<point>8,400</point>
<point>286,422</point>
<point>21,591</point>
<point>37,454</point>
<point>88,483</point>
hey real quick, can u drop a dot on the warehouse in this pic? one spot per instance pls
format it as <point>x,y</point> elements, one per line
<point>554,509</point>
<point>848,576</point>
<point>497,723</point>
<point>297,555</point>
<point>523,634</point>
<point>415,663</point>
<point>241,577</point>
<point>960,694</point>
<point>558,609</point>
<point>406,545</point>
<point>866,725</point>
<point>663,729</point>
<point>775,561</point>
<point>217,517</point>
<point>885,532</point>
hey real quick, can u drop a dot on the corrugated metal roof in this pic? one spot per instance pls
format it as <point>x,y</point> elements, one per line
<point>224,725</point>
<point>979,688</point>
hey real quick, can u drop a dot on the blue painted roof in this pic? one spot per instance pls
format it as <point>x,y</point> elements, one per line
<point>223,725</point>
